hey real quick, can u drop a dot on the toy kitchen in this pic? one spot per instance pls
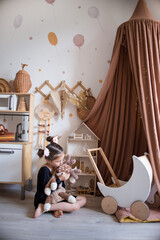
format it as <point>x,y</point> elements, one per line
<point>14,125</point>
<point>16,139</point>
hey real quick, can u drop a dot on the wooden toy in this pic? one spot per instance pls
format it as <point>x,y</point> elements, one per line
<point>131,194</point>
<point>153,200</point>
<point>83,191</point>
<point>82,166</point>
<point>77,148</point>
<point>78,135</point>
<point>22,107</point>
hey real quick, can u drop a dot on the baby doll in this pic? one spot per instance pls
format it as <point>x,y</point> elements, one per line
<point>63,173</point>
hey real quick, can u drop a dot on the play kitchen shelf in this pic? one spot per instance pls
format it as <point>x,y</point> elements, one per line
<point>77,144</point>
<point>16,154</point>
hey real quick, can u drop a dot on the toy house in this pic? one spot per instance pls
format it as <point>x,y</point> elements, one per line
<point>77,144</point>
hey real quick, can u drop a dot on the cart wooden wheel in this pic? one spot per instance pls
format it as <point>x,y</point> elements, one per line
<point>109,205</point>
<point>140,210</point>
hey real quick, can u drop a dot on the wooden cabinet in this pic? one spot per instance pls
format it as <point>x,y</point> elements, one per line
<point>16,155</point>
<point>77,144</point>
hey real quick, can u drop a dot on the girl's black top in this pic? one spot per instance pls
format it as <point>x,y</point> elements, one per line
<point>43,177</point>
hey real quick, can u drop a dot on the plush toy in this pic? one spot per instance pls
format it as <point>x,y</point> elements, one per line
<point>63,173</point>
<point>3,130</point>
<point>74,171</point>
<point>52,184</point>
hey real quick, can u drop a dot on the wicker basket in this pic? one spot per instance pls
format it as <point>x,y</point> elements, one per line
<point>22,82</point>
<point>82,113</point>
<point>90,102</point>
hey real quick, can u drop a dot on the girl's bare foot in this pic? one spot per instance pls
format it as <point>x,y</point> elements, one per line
<point>58,213</point>
<point>39,210</point>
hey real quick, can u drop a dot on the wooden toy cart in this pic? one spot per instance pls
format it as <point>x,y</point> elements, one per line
<point>131,194</point>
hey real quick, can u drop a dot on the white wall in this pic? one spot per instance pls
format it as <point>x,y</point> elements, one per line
<point>26,41</point>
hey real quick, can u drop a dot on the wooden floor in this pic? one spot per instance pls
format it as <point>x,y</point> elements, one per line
<point>16,222</point>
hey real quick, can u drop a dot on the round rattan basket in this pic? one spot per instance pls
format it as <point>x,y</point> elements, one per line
<point>82,113</point>
<point>22,82</point>
<point>90,101</point>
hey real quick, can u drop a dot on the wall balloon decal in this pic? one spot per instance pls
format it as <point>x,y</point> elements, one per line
<point>78,40</point>
<point>17,21</point>
<point>93,12</point>
<point>50,1</point>
<point>52,38</point>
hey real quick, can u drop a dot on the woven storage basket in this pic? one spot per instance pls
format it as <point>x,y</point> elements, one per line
<point>90,102</point>
<point>22,82</point>
<point>82,113</point>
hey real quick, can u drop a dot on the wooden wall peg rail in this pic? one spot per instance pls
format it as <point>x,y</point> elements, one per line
<point>46,82</point>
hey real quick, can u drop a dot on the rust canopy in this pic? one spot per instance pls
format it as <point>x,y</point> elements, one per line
<point>126,115</point>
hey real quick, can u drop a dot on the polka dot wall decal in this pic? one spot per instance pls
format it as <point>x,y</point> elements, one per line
<point>100,81</point>
<point>52,38</point>
<point>70,115</point>
<point>109,61</point>
<point>63,72</point>
<point>10,64</point>
<point>39,69</point>
<point>30,38</point>
<point>79,7</point>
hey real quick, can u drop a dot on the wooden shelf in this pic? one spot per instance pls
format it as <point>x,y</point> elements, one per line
<point>16,143</point>
<point>80,156</point>
<point>87,174</point>
<point>81,140</point>
<point>21,94</point>
<point>12,112</point>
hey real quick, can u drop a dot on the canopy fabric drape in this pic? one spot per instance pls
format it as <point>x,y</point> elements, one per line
<point>126,115</point>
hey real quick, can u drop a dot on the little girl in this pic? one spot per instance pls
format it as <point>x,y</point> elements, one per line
<point>54,157</point>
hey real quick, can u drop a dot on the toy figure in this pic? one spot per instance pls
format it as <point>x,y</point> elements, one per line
<point>3,130</point>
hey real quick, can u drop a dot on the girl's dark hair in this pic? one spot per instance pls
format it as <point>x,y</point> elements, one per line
<point>54,150</point>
